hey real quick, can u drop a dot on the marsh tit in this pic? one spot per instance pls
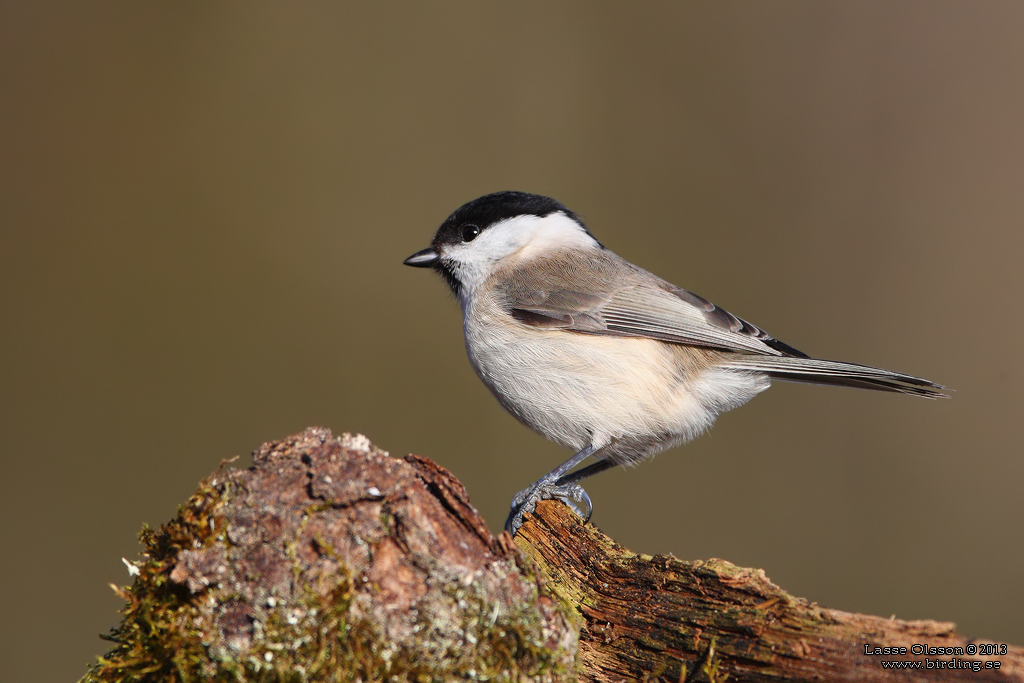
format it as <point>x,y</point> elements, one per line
<point>597,354</point>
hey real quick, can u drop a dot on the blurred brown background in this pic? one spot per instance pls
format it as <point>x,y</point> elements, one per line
<point>204,209</point>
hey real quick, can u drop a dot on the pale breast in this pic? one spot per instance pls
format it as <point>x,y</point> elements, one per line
<point>578,389</point>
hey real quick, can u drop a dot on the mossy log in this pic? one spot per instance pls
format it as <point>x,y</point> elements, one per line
<point>330,561</point>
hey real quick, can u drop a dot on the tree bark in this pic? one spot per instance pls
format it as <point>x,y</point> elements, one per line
<point>330,561</point>
<point>662,618</point>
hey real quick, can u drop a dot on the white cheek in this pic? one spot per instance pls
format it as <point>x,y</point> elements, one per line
<point>517,238</point>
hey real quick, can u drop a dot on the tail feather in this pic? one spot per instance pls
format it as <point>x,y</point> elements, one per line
<point>838,373</point>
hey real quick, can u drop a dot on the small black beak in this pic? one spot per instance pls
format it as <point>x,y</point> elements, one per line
<point>425,258</point>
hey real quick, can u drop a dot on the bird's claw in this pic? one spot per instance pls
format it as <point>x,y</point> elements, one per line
<point>525,502</point>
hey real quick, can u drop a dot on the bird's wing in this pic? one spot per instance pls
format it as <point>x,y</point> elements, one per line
<point>600,293</point>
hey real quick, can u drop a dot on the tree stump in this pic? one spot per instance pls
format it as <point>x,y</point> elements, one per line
<point>330,561</point>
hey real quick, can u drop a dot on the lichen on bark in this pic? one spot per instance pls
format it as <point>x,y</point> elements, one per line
<point>330,561</point>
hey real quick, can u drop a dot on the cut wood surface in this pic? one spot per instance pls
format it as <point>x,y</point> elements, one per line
<point>328,560</point>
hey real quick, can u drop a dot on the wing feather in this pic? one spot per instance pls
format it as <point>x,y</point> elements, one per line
<point>600,293</point>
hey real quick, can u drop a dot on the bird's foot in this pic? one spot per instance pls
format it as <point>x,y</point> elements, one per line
<point>525,502</point>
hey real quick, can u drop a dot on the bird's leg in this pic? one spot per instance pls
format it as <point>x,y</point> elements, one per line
<point>584,472</point>
<point>557,483</point>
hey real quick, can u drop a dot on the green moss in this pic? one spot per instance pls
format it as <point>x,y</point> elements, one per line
<point>711,667</point>
<point>170,634</point>
<point>489,644</point>
<point>159,639</point>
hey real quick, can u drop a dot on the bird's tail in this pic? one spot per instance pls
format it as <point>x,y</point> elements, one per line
<point>814,371</point>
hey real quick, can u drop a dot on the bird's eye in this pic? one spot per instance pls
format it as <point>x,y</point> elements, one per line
<point>469,232</point>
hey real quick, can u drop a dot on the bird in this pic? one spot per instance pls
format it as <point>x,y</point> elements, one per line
<point>597,354</point>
